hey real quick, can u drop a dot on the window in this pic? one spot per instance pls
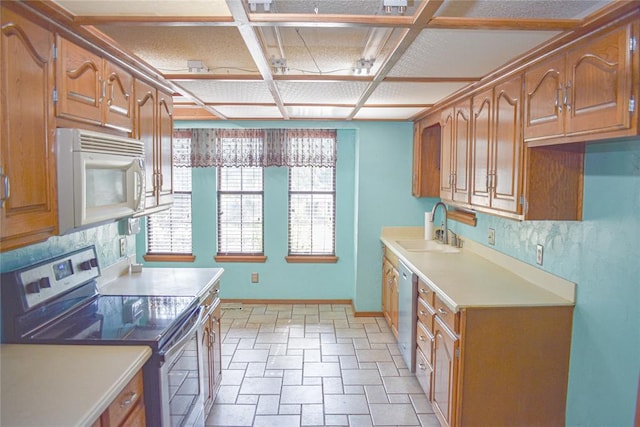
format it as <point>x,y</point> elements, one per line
<point>169,231</point>
<point>312,201</point>
<point>240,213</point>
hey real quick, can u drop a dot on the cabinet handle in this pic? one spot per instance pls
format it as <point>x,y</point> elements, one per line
<point>421,338</point>
<point>442,311</point>
<point>422,366</point>
<point>494,178</point>
<point>422,291</point>
<point>422,312</point>
<point>558,104</point>
<point>128,401</point>
<point>566,102</point>
<point>6,188</point>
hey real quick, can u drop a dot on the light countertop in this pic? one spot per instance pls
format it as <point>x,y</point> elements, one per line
<point>164,281</point>
<point>63,385</point>
<point>478,276</point>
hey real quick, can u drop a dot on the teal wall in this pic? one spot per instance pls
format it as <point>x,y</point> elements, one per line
<point>373,178</point>
<point>601,254</point>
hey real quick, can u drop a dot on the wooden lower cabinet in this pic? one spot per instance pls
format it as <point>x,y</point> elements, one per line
<point>211,347</point>
<point>127,409</point>
<point>495,366</point>
<point>390,277</point>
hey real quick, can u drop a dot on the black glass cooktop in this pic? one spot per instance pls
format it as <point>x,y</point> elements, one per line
<point>120,319</point>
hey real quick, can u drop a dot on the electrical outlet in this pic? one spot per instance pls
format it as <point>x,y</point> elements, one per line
<point>123,246</point>
<point>255,278</point>
<point>539,253</point>
<point>492,236</point>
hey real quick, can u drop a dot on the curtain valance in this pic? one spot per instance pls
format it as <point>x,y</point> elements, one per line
<point>261,147</point>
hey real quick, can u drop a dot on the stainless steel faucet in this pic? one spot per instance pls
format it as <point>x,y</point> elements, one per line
<point>445,232</point>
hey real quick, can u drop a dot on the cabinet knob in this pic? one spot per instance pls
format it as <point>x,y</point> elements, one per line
<point>129,400</point>
<point>442,311</point>
<point>421,366</point>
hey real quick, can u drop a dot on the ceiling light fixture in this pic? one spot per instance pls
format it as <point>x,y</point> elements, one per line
<point>279,65</point>
<point>197,66</point>
<point>399,6</point>
<point>266,5</point>
<point>363,65</point>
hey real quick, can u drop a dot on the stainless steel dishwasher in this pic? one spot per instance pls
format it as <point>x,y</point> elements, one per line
<point>407,296</point>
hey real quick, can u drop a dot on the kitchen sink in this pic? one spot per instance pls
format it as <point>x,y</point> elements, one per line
<point>419,245</point>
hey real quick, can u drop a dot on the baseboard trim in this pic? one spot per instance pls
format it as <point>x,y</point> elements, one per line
<point>288,301</point>
<point>367,313</point>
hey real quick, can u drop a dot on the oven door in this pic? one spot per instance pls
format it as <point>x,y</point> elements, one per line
<point>180,375</point>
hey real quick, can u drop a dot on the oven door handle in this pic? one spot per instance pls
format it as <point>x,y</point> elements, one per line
<point>177,346</point>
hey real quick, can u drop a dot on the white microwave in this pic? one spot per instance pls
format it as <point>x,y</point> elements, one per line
<point>100,178</point>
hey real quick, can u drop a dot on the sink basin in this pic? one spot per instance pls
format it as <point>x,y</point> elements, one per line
<point>427,246</point>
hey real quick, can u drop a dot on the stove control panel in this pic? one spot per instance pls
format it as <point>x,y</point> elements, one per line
<point>41,282</point>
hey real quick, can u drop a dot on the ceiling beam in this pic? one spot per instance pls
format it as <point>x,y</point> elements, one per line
<point>423,15</point>
<point>254,47</point>
<point>522,24</point>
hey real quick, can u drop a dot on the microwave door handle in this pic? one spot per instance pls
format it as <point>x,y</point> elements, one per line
<point>139,171</point>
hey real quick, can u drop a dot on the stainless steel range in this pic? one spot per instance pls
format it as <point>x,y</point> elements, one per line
<point>56,302</point>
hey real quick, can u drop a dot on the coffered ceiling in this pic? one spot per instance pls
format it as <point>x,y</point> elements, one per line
<point>326,59</point>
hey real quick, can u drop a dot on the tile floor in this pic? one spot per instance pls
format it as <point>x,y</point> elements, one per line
<point>312,365</point>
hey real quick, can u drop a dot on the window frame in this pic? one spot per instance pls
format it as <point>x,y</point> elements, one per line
<point>238,256</point>
<point>311,257</point>
<point>172,256</point>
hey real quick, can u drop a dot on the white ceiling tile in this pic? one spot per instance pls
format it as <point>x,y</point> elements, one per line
<point>387,113</point>
<point>464,53</point>
<point>168,48</point>
<point>298,92</point>
<point>319,112</point>
<point>228,91</point>
<point>146,7</point>
<point>249,111</point>
<point>542,9</point>
<point>411,93</point>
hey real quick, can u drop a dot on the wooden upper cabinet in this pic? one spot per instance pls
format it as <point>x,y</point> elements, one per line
<point>28,170</point>
<point>454,163</point>
<point>583,93</point>
<point>481,149</point>
<point>507,146</point>
<point>446,154</point>
<point>165,146</point>
<point>154,126</point>
<point>92,90</point>
<point>426,161</point>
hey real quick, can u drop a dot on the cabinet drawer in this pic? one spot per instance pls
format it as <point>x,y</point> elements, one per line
<point>425,292</point>
<point>425,314</point>
<point>424,372</point>
<point>126,401</point>
<point>446,315</point>
<point>424,340</point>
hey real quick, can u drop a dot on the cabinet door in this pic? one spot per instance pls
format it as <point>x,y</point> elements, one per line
<point>28,174</point>
<point>386,287</point>
<point>80,88</point>
<point>426,161</point>
<point>207,358</point>
<point>544,83</point>
<point>216,346</point>
<point>145,113</point>
<point>507,146</point>
<point>445,371</point>
<point>462,138</point>
<point>446,155</point>
<point>119,98</point>
<point>164,145</point>
<point>481,148</point>
<point>599,78</point>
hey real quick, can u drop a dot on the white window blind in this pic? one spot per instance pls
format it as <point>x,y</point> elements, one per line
<point>169,231</point>
<point>312,200</point>
<point>240,211</point>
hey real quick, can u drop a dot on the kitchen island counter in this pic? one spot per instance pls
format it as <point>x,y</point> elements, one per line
<point>63,385</point>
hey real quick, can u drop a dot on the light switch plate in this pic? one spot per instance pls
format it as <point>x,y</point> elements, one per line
<point>492,236</point>
<point>539,253</point>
